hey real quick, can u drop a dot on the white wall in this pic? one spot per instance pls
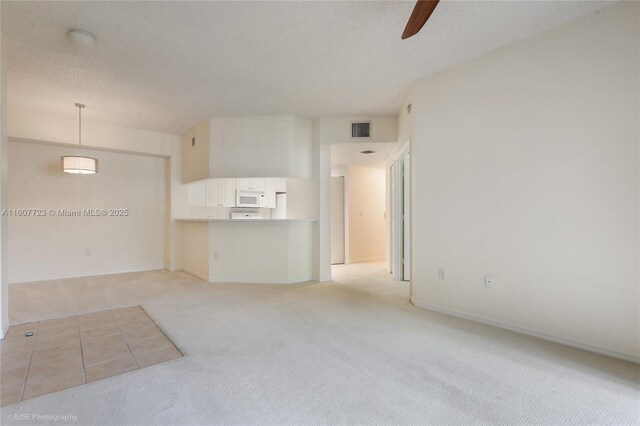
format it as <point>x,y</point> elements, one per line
<point>260,252</point>
<point>526,165</point>
<point>365,213</point>
<point>26,124</point>
<point>259,146</point>
<point>50,247</point>
<point>195,249</point>
<point>4,288</point>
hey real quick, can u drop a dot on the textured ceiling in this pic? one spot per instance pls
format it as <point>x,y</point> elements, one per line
<point>343,154</point>
<point>165,66</point>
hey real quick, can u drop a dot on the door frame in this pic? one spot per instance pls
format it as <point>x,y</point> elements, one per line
<point>397,203</point>
<point>345,259</point>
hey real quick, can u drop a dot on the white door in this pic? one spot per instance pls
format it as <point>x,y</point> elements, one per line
<point>406,215</point>
<point>337,220</point>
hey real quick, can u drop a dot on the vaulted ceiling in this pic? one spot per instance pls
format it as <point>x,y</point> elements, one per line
<point>165,66</point>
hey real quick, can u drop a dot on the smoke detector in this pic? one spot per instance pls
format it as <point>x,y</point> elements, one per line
<point>82,39</point>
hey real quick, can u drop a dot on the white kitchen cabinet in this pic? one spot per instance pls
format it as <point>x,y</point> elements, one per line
<point>251,184</point>
<point>221,193</point>
<point>197,194</point>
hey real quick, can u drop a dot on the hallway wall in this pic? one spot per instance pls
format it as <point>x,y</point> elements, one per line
<point>366,211</point>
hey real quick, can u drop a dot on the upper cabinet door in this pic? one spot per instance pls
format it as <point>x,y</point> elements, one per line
<point>258,184</point>
<point>227,192</point>
<point>250,184</point>
<point>213,193</point>
<point>270,193</point>
<point>243,184</point>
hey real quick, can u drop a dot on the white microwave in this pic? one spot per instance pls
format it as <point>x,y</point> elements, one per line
<point>249,198</point>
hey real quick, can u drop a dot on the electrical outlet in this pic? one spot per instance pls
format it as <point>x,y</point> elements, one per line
<point>441,274</point>
<point>87,252</point>
<point>489,281</point>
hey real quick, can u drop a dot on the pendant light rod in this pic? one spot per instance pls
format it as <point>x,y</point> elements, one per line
<point>80,106</point>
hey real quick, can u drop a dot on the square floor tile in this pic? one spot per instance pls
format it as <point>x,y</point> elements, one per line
<point>96,323</point>
<point>51,341</point>
<point>157,356</point>
<point>10,375</point>
<point>56,322</point>
<point>14,347</point>
<point>149,344</point>
<point>141,333</point>
<point>11,393</point>
<point>16,360</point>
<point>95,343</point>
<point>105,354</point>
<point>70,327</point>
<point>61,351</point>
<point>49,384</point>
<point>125,311</point>
<point>17,332</point>
<point>128,326</point>
<point>93,333</point>
<point>52,367</point>
<point>94,316</point>
<point>110,368</point>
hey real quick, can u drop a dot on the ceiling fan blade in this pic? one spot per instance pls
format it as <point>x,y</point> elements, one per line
<point>421,12</point>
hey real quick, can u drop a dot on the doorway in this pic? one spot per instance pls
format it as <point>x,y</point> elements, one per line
<point>400,172</point>
<point>337,220</point>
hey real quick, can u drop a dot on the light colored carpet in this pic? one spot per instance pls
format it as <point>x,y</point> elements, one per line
<point>354,351</point>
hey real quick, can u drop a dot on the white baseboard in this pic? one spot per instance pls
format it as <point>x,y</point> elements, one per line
<point>37,278</point>
<point>4,330</point>
<point>256,281</point>
<point>368,259</point>
<point>196,274</point>
<point>529,332</point>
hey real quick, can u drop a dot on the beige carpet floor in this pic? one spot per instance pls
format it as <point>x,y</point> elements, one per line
<point>353,351</point>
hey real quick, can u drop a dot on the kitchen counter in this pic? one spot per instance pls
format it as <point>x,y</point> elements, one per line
<point>270,251</point>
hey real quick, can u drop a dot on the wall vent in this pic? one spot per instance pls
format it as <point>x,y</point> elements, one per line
<point>361,129</point>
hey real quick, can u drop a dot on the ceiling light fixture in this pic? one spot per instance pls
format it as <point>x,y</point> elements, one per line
<point>77,164</point>
<point>81,39</point>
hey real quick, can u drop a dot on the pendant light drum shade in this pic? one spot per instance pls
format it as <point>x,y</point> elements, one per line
<point>79,165</point>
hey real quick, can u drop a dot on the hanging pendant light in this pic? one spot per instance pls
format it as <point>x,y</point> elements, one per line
<point>77,164</point>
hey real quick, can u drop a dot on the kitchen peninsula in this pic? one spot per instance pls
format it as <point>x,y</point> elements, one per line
<point>277,251</point>
<point>250,213</point>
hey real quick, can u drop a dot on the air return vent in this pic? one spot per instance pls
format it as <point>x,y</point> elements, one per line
<point>361,130</point>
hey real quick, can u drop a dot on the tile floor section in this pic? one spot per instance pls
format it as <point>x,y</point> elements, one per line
<point>71,351</point>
